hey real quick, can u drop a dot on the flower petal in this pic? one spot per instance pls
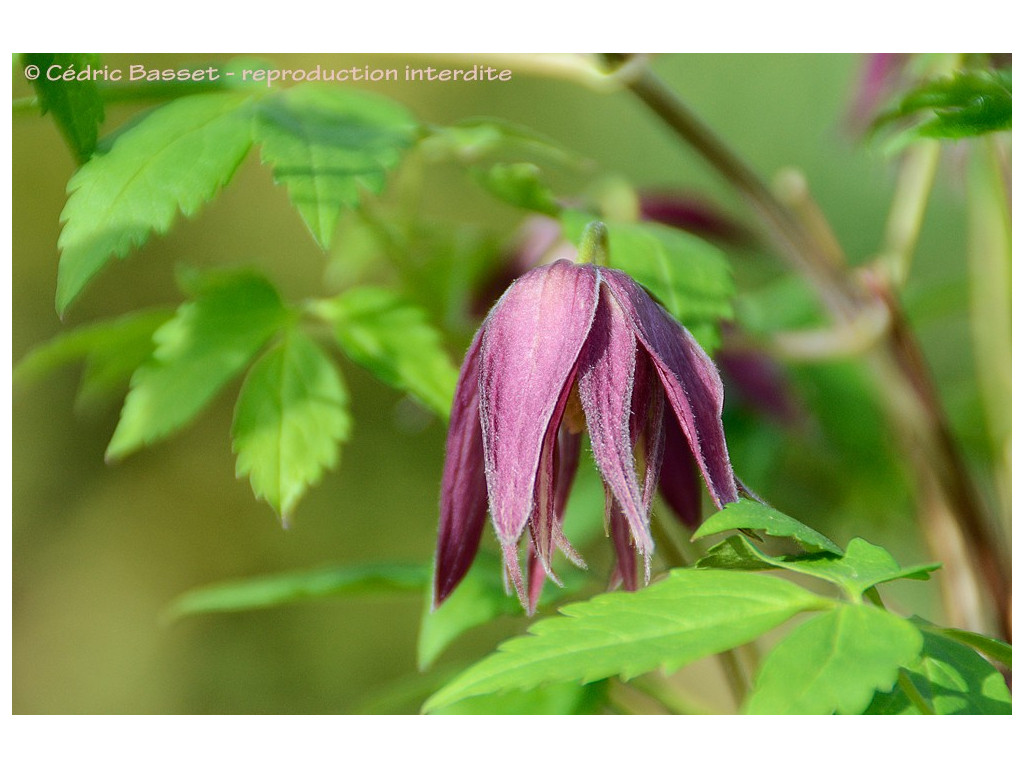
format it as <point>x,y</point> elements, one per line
<point>691,381</point>
<point>624,572</point>
<point>605,380</point>
<point>678,483</point>
<point>463,489</point>
<point>531,341</point>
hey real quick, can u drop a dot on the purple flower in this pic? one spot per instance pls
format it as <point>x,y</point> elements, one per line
<point>567,347</point>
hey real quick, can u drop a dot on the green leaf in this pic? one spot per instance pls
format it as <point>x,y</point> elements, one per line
<point>833,663</point>
<point>176,158</point>
<point>519,184</point>
<point>689,276</point>
<point>862,566</point>
<point>480,138</point>
<point>286,588</point>
<point>392,339</point>
<point>326,145</point>
<point>75,105</point>
<point>966,104</point>
<point>688,615</point>
<point>989,646</point>
<point>737,554</point>
<point>558,699</point>
<point>950,679</point>
<point>750,514</point>
<point>111,349</point>
<point>206,343</point>
<point>291,415</point>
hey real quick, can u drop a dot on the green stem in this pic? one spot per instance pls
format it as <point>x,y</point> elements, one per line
<point>908,687</point>
<point>913,188</point>
<point>899,367</point>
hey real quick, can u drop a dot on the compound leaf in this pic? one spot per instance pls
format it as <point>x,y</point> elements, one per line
<point>206,343</point>
<point>688,615</point>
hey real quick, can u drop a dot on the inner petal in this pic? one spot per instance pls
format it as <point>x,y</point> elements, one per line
<point>606,380</point>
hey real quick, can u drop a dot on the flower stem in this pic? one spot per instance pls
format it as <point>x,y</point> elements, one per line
<point>897,363</point>
<point>594,244</point>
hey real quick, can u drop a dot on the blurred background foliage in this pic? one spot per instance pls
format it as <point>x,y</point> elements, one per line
<point>100,551</point>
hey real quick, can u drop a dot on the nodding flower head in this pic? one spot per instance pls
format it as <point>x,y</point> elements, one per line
<point>568,347</point>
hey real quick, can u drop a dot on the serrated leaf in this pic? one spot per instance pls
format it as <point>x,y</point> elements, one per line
<point>291,416</point>
<point>175,159</point>
<point>111,349</point>
<point>688,615</point>
<point>950,679</point>
<point>392,339</point>
<point>834,663</point>
<point>519,184</point>
<point>861,567</point>
<point>285,588</point>
<point>970,103</point>
<point>75,105</point>
<point>198,351</point>
<point>327,145</point>
<point>689,276</point>
<point>752,515</point>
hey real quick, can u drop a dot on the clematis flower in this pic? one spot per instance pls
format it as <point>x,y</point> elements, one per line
<point>574,346</point>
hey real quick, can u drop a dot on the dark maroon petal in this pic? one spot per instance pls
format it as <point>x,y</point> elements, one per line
<point>695,215</point>
<point>690,379</point>
<point>463,489</point>
<point>624,572</point>
<point>679,481</point>
<point>605,381</point>
<point>531,342</point>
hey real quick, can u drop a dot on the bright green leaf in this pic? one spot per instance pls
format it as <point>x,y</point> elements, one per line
<point>688,615</point>
<point>393,340</point>
<point>833,663</point>
<point>689,276</point>
<point>752,515</point>
<point>206,343</point>
<point>327,145</point>
<point>950,679</point>
<point>75,105</point>
<point>519,184</point>
<point>175,159</point>
<point>290,417</point>
<point>285,588</point>
<point>862,566</point>
<point>966,104</point>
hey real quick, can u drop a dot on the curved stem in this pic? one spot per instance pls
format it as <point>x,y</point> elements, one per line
<point>898,364</point>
